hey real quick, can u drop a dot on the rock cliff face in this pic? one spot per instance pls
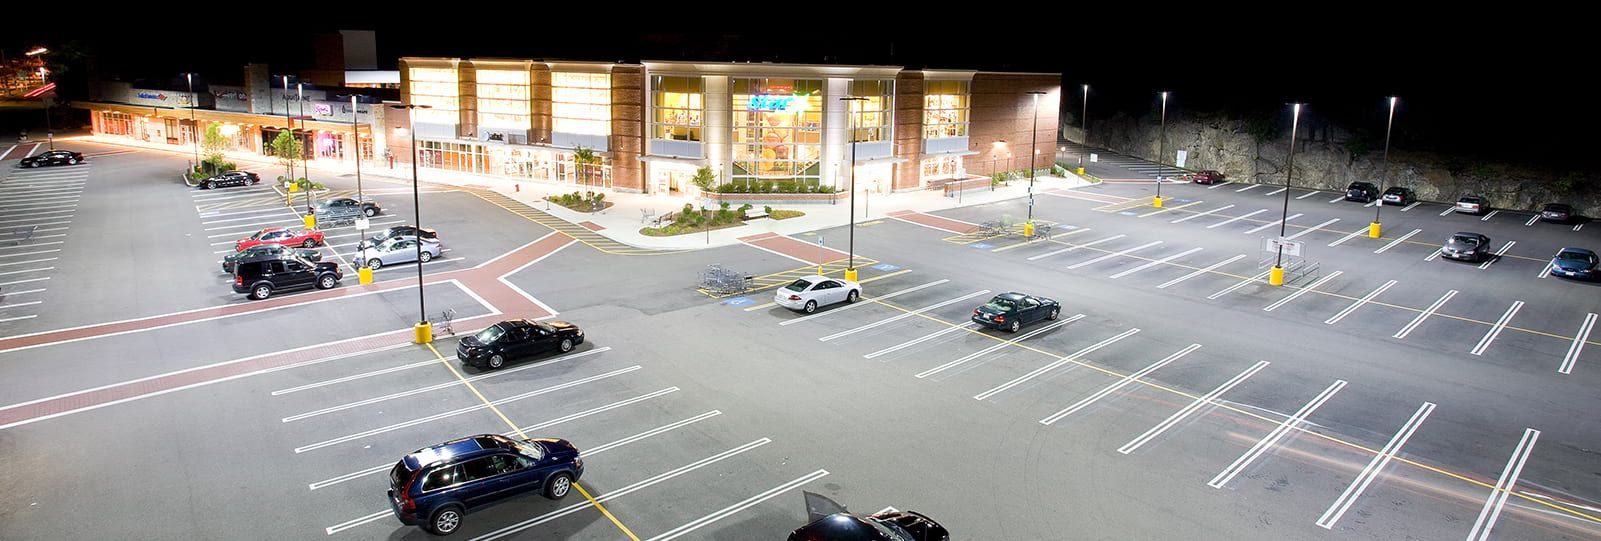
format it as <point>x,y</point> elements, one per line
<point>1329,157</point>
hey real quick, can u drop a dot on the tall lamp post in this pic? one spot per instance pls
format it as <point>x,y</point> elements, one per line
<point>49,132</point>
<point>1084,128</point>
<point>850,270</point>
<point>194,127</point>
<point>1033,156</point>
<point>1374,229</point>
<point>355,141</point>
<point>424,329</point>
<point>1276,275</point>
<point>1161,155</point>
<point>289,125</point>
<point>305,171</point>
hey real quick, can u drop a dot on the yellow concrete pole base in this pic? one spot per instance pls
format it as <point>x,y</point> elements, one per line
<point>1375,230</point>
<point>311,221</point>
<point>425,332</point>
<point>850,274</point>
<point>1275,276</point>
<point>1157,202</point>
<point>1081,171</point>
<point>364,275</point>
<point>1028,229</point>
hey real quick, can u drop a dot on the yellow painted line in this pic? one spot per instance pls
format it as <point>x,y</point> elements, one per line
<point>1125,205</point>
<point>1052,238</point>
<point>879,277</point>
<point>1169,209</point>
<point>1224,405</point>
<point>522,435</point>
<point>770,281</point>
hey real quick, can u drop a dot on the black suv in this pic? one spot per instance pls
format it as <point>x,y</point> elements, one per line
<point>1365,192</point>
<point>258,278</point>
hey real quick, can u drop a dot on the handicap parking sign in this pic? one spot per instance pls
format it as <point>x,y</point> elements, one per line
<point>738,301</point>
<point>886,267</point>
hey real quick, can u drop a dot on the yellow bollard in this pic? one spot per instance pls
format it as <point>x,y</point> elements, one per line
<point>425,332</point>
<point>1081,171</point>
<point>850,274</point>
<point>1374,230</point>
<point>364,275</point>
<point>1028,229</point>
<point>1276,276</point>
<point>1157,202</point>
<point>294,188</point>
<point>311,221</point>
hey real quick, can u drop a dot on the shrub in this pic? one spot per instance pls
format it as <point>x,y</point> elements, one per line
<point>767,209</point>
<point>743,209</point>
<point>996,179</point>
<point>1057,170</point>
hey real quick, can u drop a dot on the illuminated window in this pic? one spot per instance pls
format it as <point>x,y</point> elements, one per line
<point>777,130</point>
<point>677,108</point>
<point>944,109</point>
<point>871,117</point>
<point>437,88</point>
<point>581,103</point>
<point>503,99</point>
<point>941,167</point>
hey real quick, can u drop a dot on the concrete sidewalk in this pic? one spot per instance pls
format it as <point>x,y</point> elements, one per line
<point>623,220</point>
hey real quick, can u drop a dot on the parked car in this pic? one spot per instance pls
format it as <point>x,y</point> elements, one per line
<point>1575,263</point>
<point>1207,176</point>
<point>1557,213</point>
<point>268,250</point>
<point>808,293</point>
<point>516,338</point>
<point>1467,246</point>
<point>346,208</point>
<point>1365,192</point>
<point>305,238</point>
<point>885,526</point>
<point>397,231</point>
<point>1397,195</point>
<point>1011,311</point>
<point>396,251</point>
<point>53,157</point>
<point>434,487</point>
<point>230,178</point>
<point>260,278</point>
<point>1472,204</point>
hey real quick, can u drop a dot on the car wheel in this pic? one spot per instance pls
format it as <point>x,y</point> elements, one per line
<point>1014,326</point>
<point>36,165</point>
<point>327,281</point>
<point>811,306</point>
<point>558,486</point>
<point>207,186</point>
<point>261,292</point>
<point>445,520</point>
<point>496,361</point>
<point>370,212</point>
<point>852,296</point>
<point>374,264</point>
<point>309,243</point>
<point>566,345</point>
<point>1055,312</point>
<point>426,257</point>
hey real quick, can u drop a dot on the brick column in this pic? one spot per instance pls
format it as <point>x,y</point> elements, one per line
<point>908,130</point>
<point>627,128</point>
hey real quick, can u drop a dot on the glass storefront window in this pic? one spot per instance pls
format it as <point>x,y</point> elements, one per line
<point>677,106</point>
<point>871,117</point>
<point>581,103</point>
<point>941,167</point>
<point>945,106</point>
<point>503,99</point>
<point>437,88</point>
<point>778,130</point>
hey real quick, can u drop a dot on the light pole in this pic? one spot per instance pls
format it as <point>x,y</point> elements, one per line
<point>1034,154</point>
<point>289,126</point>
<point>1374,229</point>
<point>300,103</point>
<point>1161,153</point>
<point>850,270</point>
<point>194,127</point>
<point>1276,275</point>
<point>423,329</point>
<point>49,132</point>
<point>1084,127</point>
<point>355,141</point>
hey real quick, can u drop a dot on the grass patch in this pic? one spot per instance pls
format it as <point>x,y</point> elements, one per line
<point>785,214</point>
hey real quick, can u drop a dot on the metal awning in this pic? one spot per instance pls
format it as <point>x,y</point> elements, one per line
<point>697,162</point>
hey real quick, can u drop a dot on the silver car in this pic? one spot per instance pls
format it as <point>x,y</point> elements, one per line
<point>397,251</point>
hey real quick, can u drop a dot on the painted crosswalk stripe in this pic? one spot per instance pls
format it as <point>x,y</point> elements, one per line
<point>1179,415</point>
<point>1401,334</point>
<point>1578,344</point>
<point>1272,438</point>
<point>1198,272</point>
<point>1371,472</point>
<point>1125,252</point>
<point>997,347</point>
<point>1119,384</point>
<point>1347,237</point>
<point>1311,229</point>
<point>1503,486</point>
<point>1054,365</point>
<point>1299,292</point>
<point>1397,241</point>
<point>1240,217</point>
<point>1272,223</point>
<point>1495,330</point>
<point>1155,263</point>
<point>1198,215</point>
<point>1498,254</point>
<point>1358,304</point>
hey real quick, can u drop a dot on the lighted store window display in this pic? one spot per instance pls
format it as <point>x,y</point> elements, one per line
<point>778,129</point>
<point>677,106</point>
<point>945,105</point>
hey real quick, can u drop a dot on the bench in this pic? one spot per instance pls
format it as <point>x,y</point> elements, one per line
<point>646,214</point>
<point>754,214</point>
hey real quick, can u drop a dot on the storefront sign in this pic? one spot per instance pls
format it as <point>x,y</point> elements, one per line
<point>768,102</point>
<point>323,109</point>
<point>229,95</point>
<point>152,96</point>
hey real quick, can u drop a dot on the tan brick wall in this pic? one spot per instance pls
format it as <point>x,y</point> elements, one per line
<point>539,103</point>
<point>908,142</point>
<point>627,127</point>
<point>1001,109</point>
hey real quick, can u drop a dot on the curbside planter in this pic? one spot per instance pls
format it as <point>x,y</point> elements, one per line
<point>737,199</point>
<point>184,176</point>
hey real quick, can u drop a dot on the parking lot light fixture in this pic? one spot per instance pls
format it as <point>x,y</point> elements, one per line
<point>850,269</point>
<point>1276,275</point>
<point>1161,153</point>
<point>424,330</point>
<point>194,127</point>
<point>1033,145</point>
<point>1375,230</point>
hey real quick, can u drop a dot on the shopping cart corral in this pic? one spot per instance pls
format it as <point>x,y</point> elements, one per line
<point>719,280</point>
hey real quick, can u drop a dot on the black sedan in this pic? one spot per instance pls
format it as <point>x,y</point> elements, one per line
<point>230,178</point>
<point>1011,311</point>
<point>53,157</point>
<point>270,250</point>
<point>516,338</point>
<point>1364,192</point>
<point>886,526</point>
<point>1557,212</point>
<point>1467,246</point>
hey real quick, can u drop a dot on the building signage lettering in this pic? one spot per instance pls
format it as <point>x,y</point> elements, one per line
<point>769,102</point>
<point>323,109</point>
<point>150,96</point>
<point>228,95</point>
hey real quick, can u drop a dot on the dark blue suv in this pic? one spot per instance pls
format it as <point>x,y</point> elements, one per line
<point>434,486</point>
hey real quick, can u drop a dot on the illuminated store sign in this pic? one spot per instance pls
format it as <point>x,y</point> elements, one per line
<point>773,103</point>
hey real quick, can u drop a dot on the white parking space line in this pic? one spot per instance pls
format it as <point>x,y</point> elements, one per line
<point>1544,272</point>
<point>16,304</point>
<point>1115,386</point>
<point>741,506</point>
<point>1253,230</point>
<point>37,252</point>
<point>996,347</point>
<point>1435,255</point>
<point>286,213</point>
<point>1154,263</point>
<point>1503,486</point>
<point>1216,186</point>
<point>1358,304</point>
<point>1242,283</point>
<point>438,386</point>
<point>1198,272</point>
<point>15,282</point>
<point>1200,214</point>
<point>603,498</point>
<point>1337,199</point>
<point>919,340</point>
<point>25,291</point>
<point>29,262</point>
<point>1448,210</point>
<point>460,411</point>
<point>58,214</point>
<point>269,223</point>
<point>1054,365</point>
<point>1299,292</point>
<point>202,197</point>
<point>1074,247</point>
<point>31,244</point>
<point>40,206</point>
<point>19,318</point>
<point>1179,415</point>
<point>216,213</point>
<point>850,306</point>
<point>899,317</point>
<point>409,264</point>
<point>1411,206</point>
<point>1573,350</point>
<point>1311,229</point>
<point>1249,187</point>
<point>1272,438</point>
<point>1373,203</point>
<point>1170,209</point>
<point>362,375</point>
<point>598,449</point>
<point>1105,257</point>
<point>1531,221</point>
<point>1495,330</point>
<point>1371,472</point>
<point>1276,192</point>
<point>1397,241</point>
<point>1306,195</point>
<point>27,271</point>
<point>1237,218</point>
<point>1487,217</point>
<point>1347,237</point>
<point>1498,254</point>
<point>1576,227</point>
<point>1401,334</point>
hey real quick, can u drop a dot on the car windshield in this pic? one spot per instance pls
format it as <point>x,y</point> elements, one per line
<point>890,530</point>
<point>258,235</point>
<point>391,245</point>
<point>1001,304</point>
<point>490,334</point>
<point>1465,240</point>
<point>1574,256</point>
<point>530,450</point>
<point>798,285</point>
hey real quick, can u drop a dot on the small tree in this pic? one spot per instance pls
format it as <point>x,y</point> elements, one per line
<point>584,159</point>
<point>705,179</point>
<point>286,147</point>
<point>212,141</point>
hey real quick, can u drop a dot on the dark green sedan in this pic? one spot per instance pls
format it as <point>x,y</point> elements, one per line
<point>1011,311</point>
<point>273,250</point>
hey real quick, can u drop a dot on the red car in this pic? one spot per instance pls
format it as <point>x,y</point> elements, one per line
<point>305,238</point>
<point>1207,177</point>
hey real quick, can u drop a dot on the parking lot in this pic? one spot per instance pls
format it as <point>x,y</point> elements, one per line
<point>1387,394</point>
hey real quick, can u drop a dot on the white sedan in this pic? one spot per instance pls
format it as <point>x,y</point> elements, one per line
<point>806,294</point>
